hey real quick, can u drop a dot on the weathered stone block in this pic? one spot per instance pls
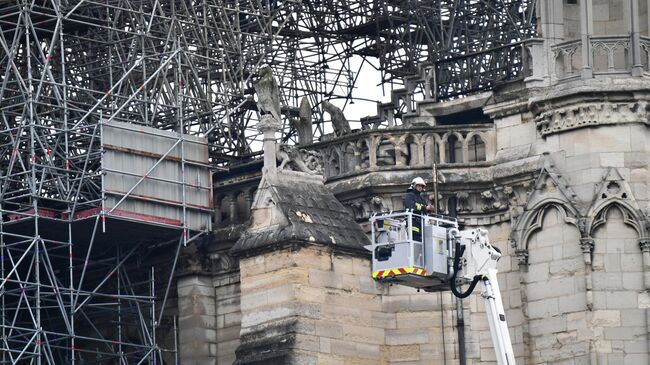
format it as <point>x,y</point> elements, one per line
<point>552,288</point>
<point>424,301</point>
<point>606,318</point>
<point>295,275</point>
<point>538,272</point>
<point>572,303</point>
<point>363,334</point>
<point>329,329</point>
<point>614,159</point>
<point>396,303</point>
<point>417,319</point>
<point>543,308</point>
<point>406,336</point>
<point>621,299</point>
<point>252,300</point>
<point>401,353</point>
<point>623,333</point>
<point>231,319</point>
<point>548,325</point>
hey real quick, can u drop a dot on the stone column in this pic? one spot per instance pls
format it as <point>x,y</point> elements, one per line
<point>522,261</point>
<point>217,211</point>
<point>587,246</point>
<point>398,145</point>
<point>429,153</point>
<point>635,40</point>
<point>552,29</point>
<point>268,126</point>
<point>249,201</point>
<point>586,30</point>
<point>420,140</point>
<point>552,20</point>
<point>232,208</point>
<point>357,156</point>
<point>644,244</point>
<point>373,143</point>
<point>442,150</point>
<point>196,319</point>
<point>464,150</point>
<point>647,17</point>
<point>536,60</point>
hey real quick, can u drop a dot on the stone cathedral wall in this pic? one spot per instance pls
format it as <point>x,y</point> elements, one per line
<point>567,198</point>
<point>555,166</point>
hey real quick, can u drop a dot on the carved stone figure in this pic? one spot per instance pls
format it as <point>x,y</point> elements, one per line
<point>304,123</point>
<point>222,262</point>
<point>377,204</point>
<point>462,201</point>
<point>339,122</point>
<point>192,259</point>
<point>268,93</point>
<point>493,199</point>
<point>296,159</point>
<point>582,227</point>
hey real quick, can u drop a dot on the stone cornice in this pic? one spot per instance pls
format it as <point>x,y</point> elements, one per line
<point>593,89</point>
<point>559,119</point>
<point>590,103</point>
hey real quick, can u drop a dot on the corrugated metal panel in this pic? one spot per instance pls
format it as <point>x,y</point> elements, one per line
<point>130,151</point>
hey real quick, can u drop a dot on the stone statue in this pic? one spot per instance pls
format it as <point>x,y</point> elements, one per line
<point>462,202</point>
<point>268,93</point>
<point>304,123</point>
<point>341,125</point>
<point>292,158</point>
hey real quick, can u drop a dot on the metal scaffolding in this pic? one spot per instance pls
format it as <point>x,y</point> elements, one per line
<point>137,61</point>
<point>69,67</point>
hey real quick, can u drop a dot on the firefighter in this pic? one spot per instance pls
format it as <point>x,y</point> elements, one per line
<point>418,204</point>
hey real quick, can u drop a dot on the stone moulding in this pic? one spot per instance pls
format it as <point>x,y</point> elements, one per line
<point>583,104</point>
<point>566,118</point>
<point>551,191</point>
<point>615,191</point>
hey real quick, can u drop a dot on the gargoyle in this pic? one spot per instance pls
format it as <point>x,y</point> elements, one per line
<point>339,122</point>
<point>292,158</point>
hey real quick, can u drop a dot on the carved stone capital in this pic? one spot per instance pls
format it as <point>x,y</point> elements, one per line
<point>644,244</point>
<point>192,260</point>
<point>222,262</point>
<point>268,124</point>
<point>587,245</point>
<point>522,257</point>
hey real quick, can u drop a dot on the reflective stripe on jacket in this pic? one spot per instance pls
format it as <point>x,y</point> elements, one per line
<point>418,204</point>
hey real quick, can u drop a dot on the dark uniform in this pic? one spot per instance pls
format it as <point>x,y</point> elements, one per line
<point>418,204</point>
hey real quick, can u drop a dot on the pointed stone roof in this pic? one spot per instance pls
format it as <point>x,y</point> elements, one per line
<point>295,208</point>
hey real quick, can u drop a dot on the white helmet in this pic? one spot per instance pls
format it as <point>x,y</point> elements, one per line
<point>418,181</point>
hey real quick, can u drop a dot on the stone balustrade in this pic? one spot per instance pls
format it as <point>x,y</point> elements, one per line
<point>406,148</point>
<point>608,55</point>
<point>365,151</point>
<point>645,53</point>
<point>566,60</point>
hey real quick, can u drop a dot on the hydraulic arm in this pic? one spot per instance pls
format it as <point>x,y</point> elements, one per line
<point>475,260</point>
<point>441,258</point>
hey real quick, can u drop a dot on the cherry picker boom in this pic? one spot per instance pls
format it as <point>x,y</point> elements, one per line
<point>444,258</point>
